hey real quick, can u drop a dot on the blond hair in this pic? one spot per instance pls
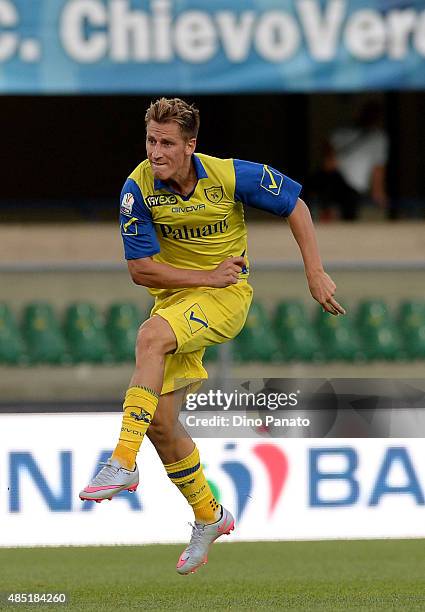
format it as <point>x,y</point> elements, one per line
<point>174,109</point>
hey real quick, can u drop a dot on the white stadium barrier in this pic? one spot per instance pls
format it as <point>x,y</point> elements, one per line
<point>278,489</point>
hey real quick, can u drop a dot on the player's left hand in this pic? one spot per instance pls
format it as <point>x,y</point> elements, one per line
<point>322,288</point>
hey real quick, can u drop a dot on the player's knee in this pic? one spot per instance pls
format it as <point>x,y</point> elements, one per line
<point>161,433</point>
<point>155,336</point>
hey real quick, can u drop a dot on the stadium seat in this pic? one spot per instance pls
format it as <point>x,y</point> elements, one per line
<point>86,335</point>
<point>12,349</point>
<point>123,315</point>
<point>44,338</point>
<point>6,315</point>
<point>256,341</point>
<point>338,338</point>
<point>411,315</point>
<point>414,342</point>
<point>411,320</point>
<point>372,313</point>
<point>122,323</point>
<point>300,343</point>
<point>289,313</point>
<point>381,342</point>
<point>294,332</point>
<point>380,338</point>
<point>78,312</point>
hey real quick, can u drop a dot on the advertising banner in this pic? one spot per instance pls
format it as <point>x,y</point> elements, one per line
<point>278,489</point>
<point>189,46</point>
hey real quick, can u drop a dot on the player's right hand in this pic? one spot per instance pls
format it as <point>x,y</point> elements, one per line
<point>227,273</point>
<point>322,288</point>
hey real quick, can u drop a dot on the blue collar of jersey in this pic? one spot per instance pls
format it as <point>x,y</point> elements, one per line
<point>199,169</point>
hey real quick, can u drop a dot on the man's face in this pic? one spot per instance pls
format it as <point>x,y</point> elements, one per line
<point>167,149</point>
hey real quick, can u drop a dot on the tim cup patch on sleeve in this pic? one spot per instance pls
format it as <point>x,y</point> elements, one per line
<point>127,204</point>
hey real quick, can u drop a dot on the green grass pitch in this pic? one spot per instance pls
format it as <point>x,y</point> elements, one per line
<point>342,575</point>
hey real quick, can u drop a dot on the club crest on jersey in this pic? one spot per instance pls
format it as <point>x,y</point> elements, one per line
<point>161,200</point>
<point>127,204</point>
<point>214,194</point>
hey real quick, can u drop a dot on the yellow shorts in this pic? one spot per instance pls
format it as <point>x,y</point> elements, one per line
<point>199,318</point>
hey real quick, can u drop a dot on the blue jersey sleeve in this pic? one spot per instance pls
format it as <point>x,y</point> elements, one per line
<point>137,228</point>
<point>262,186</point>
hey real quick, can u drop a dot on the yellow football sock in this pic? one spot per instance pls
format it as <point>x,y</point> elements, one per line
<point>188,476</point>
<point>139,407</point>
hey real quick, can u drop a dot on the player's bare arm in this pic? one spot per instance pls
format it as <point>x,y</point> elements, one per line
<point>321,286</point>
<point>150,273</point>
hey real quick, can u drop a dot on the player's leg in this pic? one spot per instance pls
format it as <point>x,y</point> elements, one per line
<point>202,319</point>
<point>198,318</point>
<point>155,339</point>
<point>180,457</point>
<point>182,463</point>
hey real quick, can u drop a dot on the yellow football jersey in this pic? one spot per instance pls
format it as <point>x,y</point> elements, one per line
<point>202,229</point>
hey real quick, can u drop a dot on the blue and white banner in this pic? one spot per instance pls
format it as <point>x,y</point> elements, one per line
<point>190,46</point>
<point>277,489</point>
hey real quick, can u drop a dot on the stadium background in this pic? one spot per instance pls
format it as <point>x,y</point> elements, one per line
<point>65,354</point>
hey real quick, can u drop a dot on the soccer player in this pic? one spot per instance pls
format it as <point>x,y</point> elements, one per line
<point>185,240</point>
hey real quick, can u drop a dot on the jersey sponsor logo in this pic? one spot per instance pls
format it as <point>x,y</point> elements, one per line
<point>214,194</point>
<point>196,318</point>
<point>127,204</point>
<point>161,200</point>
<point>129,228</point>
<point>189,233</point>
<point>271,180</point>
<point>186,209</point>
